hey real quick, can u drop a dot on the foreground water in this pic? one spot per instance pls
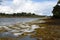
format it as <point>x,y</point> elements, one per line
<point>14,27</point>
<point>36,29</point>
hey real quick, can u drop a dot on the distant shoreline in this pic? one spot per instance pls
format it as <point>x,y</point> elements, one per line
<point>23,17</point>
<point>20,15</point>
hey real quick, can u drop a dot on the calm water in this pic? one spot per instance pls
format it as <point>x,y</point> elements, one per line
<point>7,21</point>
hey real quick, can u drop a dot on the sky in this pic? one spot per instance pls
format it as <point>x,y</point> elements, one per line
<point>39,7</point>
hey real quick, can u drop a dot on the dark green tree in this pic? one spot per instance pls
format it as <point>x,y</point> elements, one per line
<point>56,10</point>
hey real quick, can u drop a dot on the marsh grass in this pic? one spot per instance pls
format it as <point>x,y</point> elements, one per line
<point>49,30</point>
<point>8,39</point>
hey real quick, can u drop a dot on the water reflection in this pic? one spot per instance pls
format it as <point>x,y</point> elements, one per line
<point>18,29</point>
<point>8,21</point>
<point>7,34</point>
<point>27,38</point>
<point>49,30</point>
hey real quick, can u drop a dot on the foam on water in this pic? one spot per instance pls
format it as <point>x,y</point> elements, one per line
<point>19,29</point>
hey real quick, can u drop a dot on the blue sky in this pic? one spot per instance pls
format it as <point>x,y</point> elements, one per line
<point>34,0</point>
<point>43,0</point>
<point>40,7</point>
<point>37,0</point>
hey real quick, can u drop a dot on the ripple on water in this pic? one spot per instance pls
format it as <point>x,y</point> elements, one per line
<point>19,29</point>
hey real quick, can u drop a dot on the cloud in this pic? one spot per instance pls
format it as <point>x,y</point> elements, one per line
<point>41,8</point>
<point>6,9</point>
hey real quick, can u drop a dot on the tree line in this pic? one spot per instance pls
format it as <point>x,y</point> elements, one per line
<point>22,14</point>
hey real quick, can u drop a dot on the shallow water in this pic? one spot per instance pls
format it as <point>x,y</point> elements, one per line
<point>45,29</point>
<point>8,21</point>
<point>14,27</point>
<point>27,38</point>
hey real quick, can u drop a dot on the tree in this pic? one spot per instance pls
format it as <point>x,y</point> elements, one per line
<point>56,10</point>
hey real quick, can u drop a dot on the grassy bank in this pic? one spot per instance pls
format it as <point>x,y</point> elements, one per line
<point>49,30</point>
